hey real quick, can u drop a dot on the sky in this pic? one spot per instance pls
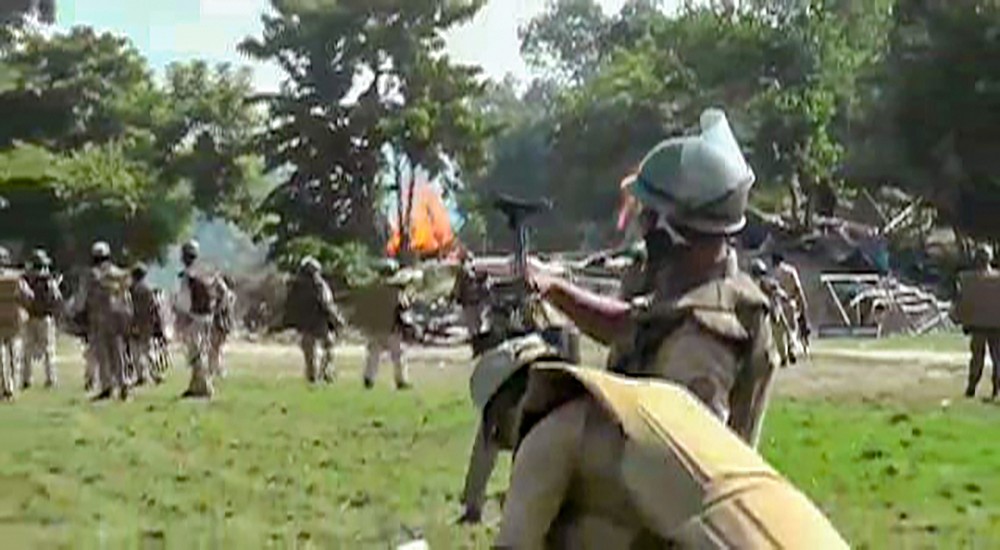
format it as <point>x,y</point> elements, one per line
<point>177,30</point>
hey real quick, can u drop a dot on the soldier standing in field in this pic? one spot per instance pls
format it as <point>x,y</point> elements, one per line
<point>983,339</point>
<point>312,312</point>
<point>223,321</point>
<point>103,295</point>
<point>706,325</point>
<point>147,326</point>
<point>796,307</point>
<point>780,326</point>
<point>195,306</point>
<point>471,292</point>
<point>15,296</point>
<point>387,335</point>
<point>40,336</point>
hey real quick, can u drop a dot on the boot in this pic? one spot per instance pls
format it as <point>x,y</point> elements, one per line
<point>104,395</point>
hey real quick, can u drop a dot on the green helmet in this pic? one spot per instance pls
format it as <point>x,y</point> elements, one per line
<point>699,182</point>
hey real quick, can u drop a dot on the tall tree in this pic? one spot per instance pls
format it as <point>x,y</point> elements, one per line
<point>359,76</point>
<point>14,11</point>
<point>935,110</point>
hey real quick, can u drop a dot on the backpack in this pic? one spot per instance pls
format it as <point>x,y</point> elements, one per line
<point>204,292</point>
<point>46,301</point>
<point>111,297</point>
<point>12,315</point>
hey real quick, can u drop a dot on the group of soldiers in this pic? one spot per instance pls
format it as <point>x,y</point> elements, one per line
<point>658,449</point>
<point>27,325</point>
<point>122,319</point>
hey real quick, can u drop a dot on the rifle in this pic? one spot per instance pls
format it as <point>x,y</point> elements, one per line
<point>513,302</point>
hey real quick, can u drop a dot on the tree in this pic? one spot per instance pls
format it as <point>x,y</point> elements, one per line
<point>566,39</point>
<point>359,76</point>
<point>116,153</point>
<point>13,11</point>
<point>933,112</point>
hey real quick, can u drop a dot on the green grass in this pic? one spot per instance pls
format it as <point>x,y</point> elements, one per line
<point>274,463</point>
<point>937,342</point>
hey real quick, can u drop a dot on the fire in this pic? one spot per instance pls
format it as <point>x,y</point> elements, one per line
<point>431,233</point>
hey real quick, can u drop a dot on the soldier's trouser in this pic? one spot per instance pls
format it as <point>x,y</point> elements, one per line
<point>393,343</point>
<point>216,351</point>
<point>317,349</point>
<point>91,368</point>
<point>39,343</point>
<point>142,351</point>
<point>980,342</point>
<point>472,317</point>
<point>481,464</point>
<point>197,339</point>
<point>110,353</point>
<point>10,356</point>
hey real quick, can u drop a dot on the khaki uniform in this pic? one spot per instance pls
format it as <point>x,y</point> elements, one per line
<point>312,312</point>
<point>794,304</point>
<point>981,341</point>
<point>108,319</point>
<point>610,462</point>
<point>472,295</point>
<point>716,341</point>
<point>221,329</point>
<point>40,332</point>
<point>782,329</point>
<point>377,311</point>
<point>147,324</point>
<point>16,295</point>
<point>195,330</point>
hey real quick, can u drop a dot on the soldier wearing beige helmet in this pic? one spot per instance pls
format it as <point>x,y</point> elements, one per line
<point>15,296</point>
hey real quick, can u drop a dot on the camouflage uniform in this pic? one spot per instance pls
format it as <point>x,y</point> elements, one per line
<point>11,325</point>
<point>471,293</point>
<point>195,320</point>
<point>108,315</point>
<point>312,312</point>
<point>147,325</point>
<point>40,334</point>
<point>981,339</point>
<point>222,327</point>
<point>780,327</point>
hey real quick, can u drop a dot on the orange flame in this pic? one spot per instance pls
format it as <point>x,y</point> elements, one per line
<point>430,225</point>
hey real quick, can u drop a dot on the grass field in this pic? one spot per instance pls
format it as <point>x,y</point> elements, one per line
<point>274,463</point>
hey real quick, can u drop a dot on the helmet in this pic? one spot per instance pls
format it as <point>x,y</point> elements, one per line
<point>310,265</point>
<point>40,258</point>
<point>699,182</point>
<point>4,257</point>
<point>758,268</point>
<point>386,266</point>
<point>983,254</point>
<point>139,270</point>
<point>191,249</point>
<point>100,250</point>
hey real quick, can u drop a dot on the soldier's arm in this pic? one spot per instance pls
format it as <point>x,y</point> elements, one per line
<point>599,317</point>
<point>544,465</point>
<point>800,294</point>
<point>481,464</point>
<point>750,394</point>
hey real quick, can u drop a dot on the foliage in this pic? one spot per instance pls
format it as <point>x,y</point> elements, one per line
<point>116,155</point>
<point>933,112</point>
<point>349,264</point>
<point>13,12</point>
<point>359,76</point>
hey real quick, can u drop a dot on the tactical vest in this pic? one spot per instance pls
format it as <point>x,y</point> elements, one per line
<point>146,320</point>
<point>12,314</point>
<point>691,480</point>
<point>730,308</point>
<point>109,303</point>
<point>306,309</point>
<point>46,300</point>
